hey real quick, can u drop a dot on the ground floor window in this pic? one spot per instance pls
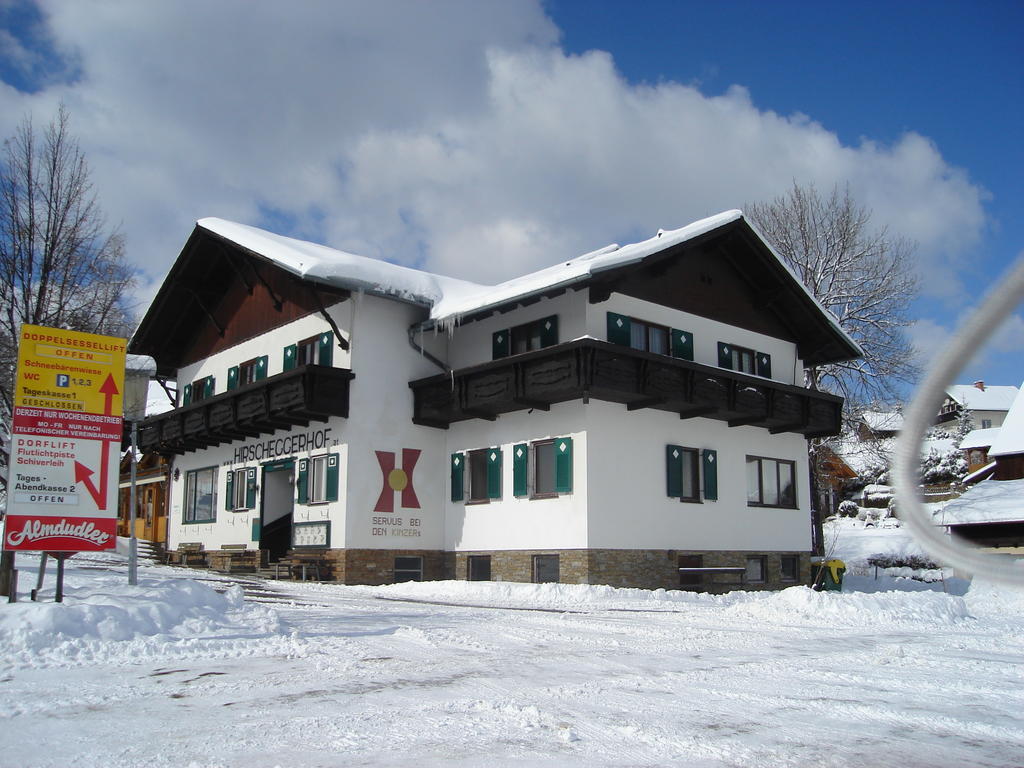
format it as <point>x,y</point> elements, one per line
<point>199,493</point>
<point>408,568</point>
<point>690,579</point>
<point>545,568</point>
<point>479,568</point>
<point>755,569</point>
<point>790,567</point>
<point>771,482</point>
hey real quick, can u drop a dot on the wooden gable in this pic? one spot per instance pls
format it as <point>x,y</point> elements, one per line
<point>217,295</point>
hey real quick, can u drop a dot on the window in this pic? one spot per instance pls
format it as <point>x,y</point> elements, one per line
<point>744,360</point>
<point>200,389</point>
<point>408,568</point>
<point>306,351</point>
<point>770,482</point>
<point>536,334</point>
<point>755,570</point>
<point>648,337</point>
<point>986,423</point>
<point>484,476</point>
<point>200,485</point>
<point>316,350</point>
<point>241,488</point>
<point>479,568</point>
<point>247,371</point>
<point>318,479</point>
<point>683,473</point>
<point>790,567</point>
<point>542,469</point>
<point>690,579</point>
<point>545,569</point>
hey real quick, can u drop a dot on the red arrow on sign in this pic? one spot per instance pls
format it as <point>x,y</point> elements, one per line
<point>83,474</point>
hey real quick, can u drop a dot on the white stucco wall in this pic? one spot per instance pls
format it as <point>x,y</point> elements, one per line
<point>520,523</point>
<point>629,506</point>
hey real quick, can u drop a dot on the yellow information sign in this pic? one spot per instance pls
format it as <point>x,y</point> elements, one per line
<point>66,437</point>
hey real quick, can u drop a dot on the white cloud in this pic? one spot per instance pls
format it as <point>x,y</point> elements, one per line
<point>452,135</point>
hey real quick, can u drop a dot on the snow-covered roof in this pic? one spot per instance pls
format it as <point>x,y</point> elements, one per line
<point>990,501</point>
<point>991,398</point>
<point>1010,439</point>
<point>321,264</point>
<point>979,438</point>
<point>450,299</point>
<point>883,421</point>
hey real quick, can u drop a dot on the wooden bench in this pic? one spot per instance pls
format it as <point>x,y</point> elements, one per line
<point>302,565</point>
<point>234,558</point>
<point>185,552</point>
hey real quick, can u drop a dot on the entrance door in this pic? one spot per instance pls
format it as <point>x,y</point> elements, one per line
<point>276,506</point>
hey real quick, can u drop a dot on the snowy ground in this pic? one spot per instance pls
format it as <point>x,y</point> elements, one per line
<point>186,670</point>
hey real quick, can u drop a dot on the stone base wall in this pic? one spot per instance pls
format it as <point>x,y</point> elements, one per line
<point>642,569</point>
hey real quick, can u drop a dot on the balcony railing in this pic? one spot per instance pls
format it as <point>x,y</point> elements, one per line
<point>291,399</point>
<point>588,368</point>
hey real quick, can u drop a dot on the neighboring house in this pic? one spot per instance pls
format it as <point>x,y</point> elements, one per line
<point>879,425</point>
<point>151,479</point>
<point>976,445</point>
<point>991,513</point>
<point>986,404</point>
<point>629,417</point>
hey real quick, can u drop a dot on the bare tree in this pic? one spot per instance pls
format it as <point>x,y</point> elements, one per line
<point>860,274</point>
<point>60,265</point>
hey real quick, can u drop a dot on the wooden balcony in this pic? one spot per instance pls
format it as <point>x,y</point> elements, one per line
<point>291,399</point>
<point>590,369</point>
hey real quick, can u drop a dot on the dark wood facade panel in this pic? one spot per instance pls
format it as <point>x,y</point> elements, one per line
<point>588,368</point>
<point>294,398</point>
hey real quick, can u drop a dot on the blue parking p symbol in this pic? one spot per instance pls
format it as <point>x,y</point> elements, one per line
<point>63,380</point>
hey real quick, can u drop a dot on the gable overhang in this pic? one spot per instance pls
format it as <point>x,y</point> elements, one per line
<point>817,334</point>
<point>187,299</point>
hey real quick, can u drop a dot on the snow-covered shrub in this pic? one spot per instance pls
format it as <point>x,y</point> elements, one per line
<point>891,560</point>
<point>848,508</point>
<point>876,496</point>
<point>943,467</point>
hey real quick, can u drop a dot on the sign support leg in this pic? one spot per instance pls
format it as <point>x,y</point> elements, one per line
<point>39,579</point>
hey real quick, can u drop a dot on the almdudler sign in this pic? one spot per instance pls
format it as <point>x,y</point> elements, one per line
<point>65,442</point>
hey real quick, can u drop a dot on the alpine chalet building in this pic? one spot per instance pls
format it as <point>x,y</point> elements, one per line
<point>631,417</point>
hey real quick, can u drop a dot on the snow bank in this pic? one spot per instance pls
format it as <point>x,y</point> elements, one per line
<point>108,620</point>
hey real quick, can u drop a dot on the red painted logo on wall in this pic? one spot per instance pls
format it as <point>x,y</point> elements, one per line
<point>397,480</point>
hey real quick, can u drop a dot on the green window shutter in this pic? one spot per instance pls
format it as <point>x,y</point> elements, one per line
<point>325,349</point>
<point>682,344</point>
<point>501,343</point>
<point>458,483</point>
<point>291,354</point>
<point>333,472</point>
<point>724,355</point>
<point>674,470</point>
<point>764,364</point>
<point>709,462</point>
<point>229,492</point>
<point>250,488</point>
<point>208,387</point>
<point>302,481</point>
<point>186,395</point>
<point>563,465</point>
<point>256,529</point>
<point>520,469</point>
<point>494,473</point>
<point>549,331</point>
<point>618,329</point>
<point>232,378</point>
<point>261,367</point>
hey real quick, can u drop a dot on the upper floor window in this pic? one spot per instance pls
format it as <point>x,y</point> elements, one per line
<point>247,371</point>
<point>200,389</point>
<point>316,350</point>
<point>771,482</point>
<point>683,470</point>
<point>536,334</point>
<point>744,360</point>
<point>649,337</point>
<point>986,423</point>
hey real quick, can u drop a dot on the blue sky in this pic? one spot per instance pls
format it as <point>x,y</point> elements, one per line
<point>432,133</point>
